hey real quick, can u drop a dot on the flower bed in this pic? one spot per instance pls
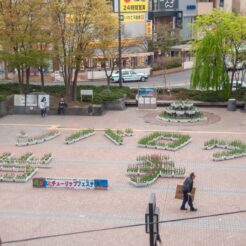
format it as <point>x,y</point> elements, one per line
<point>114,137</point>
<point>181,111</point>
<point>235,149</point>
<point>12,176</point>
<point>37,139</point>
<point>77,136</point>
<point>9,161</point>
<point>149,168</point>
<point>151,141</point>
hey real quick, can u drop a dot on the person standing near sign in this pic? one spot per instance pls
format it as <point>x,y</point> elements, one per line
<point>187,197</point>
<point>43,106</point>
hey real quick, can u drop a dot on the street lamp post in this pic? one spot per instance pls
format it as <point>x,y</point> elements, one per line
<point>119,44</point>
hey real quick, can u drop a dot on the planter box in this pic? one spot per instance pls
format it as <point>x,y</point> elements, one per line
<point>144,184</point>
<point>114,141</point>
<point>166,175</point>
<point>80,138</point>
<point>8,179</point>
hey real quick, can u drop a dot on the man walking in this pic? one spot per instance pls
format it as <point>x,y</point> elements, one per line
<point>187,197</point>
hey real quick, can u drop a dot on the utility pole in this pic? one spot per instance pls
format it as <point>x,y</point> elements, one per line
<point>119,44</point>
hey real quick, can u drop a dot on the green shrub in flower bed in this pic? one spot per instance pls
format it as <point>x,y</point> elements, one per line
<point>37,139</point>
<point>235,149</point>
<point>150,167</point>
<point>4,157</point>
<point>114,137</point>
<point>152,141</point>
<point>79,135</point>
<point>181,111</point>
<point>128,132</point>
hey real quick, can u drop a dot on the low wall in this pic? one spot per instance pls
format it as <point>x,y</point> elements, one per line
<point>115,105</point>
<point>167,71</point>
<point>3,108</point>
<point>92,110</point>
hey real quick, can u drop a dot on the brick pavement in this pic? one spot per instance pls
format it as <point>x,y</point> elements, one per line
<point>28,212</point>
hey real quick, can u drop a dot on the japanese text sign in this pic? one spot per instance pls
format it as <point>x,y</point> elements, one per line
<point>70,183</point>
<point>134,5</point>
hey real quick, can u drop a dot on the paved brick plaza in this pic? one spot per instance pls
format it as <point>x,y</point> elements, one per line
<point>221,186</point>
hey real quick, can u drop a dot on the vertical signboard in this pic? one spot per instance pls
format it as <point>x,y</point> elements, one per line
<point>149,28</point>
<point>134,6</point>
<point>167,4</point>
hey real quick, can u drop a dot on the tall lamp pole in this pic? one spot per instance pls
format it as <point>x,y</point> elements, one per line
<point>119,44</point>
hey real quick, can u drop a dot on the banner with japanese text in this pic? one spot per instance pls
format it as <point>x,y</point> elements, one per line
<point>134,5</point>
<point>70,183</point>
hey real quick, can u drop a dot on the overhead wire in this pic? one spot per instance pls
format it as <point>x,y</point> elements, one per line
<point>119,227</point>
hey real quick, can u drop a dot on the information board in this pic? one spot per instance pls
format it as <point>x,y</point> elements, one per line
<point>31,100</point>
<point>147,98</point>
<point>19,100</point>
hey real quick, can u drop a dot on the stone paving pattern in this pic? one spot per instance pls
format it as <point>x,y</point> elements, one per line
<point>221,186</point>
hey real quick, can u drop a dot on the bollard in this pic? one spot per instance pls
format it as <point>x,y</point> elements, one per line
<point>232,104</point>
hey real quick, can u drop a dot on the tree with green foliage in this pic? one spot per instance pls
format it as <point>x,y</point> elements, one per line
<point>106,48</point>
<point>164,37</point>
<point>21,30</point>
<point>75,31</point>
<point>218,50</point>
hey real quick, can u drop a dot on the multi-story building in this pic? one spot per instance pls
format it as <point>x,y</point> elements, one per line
<point>176,13</point>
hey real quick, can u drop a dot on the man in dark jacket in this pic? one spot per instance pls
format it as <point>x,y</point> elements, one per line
<point>187,188</point>
<point>61,106</point>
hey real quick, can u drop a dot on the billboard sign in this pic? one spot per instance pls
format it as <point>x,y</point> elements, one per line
<point>134,6</point>
<point>168,4</point>
<point>149,29</point>
<point>146,92</point>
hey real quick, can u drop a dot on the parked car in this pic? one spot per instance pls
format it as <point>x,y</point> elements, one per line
<point>129,75</point>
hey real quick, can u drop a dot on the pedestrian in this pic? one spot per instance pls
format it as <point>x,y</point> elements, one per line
<point>187,196</point>
<point>43,106</point>
<point>61,106</point>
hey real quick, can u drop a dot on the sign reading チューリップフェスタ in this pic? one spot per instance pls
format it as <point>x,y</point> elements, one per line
<point>134,6</point>
<point>81,184</point>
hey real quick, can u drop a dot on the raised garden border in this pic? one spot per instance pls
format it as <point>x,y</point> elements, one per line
<point>150,141</point>
<point>149,168</point>
<point>235,149</point>
<point>77,136</point>
<point>37,139</point>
